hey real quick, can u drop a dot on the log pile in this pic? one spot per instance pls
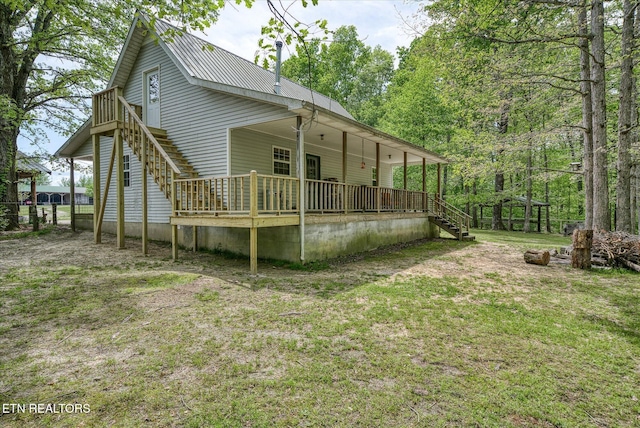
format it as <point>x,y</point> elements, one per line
<point>618,248</point>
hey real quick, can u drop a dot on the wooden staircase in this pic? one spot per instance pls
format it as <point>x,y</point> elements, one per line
<point>164,161</point>
<point>451,228</point>
<point>451,220</point>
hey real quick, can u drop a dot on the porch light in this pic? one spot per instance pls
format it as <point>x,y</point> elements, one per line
<point>321,137</point>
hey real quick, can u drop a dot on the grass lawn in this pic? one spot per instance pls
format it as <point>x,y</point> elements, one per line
<point>442,333</point>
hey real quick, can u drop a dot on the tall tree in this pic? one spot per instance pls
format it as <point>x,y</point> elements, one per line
<point>625,126</point>
<point>601,214</point>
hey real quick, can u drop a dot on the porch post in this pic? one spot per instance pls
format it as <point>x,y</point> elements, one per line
<point>344,157</point>
<point>378,198</point>
<point>301,179</point>
<point>97,238</point>
<point>143,183</point>
<point>344,169</point>
<point>72,195</point>
<point>439,190</point>
<point>405,180</point>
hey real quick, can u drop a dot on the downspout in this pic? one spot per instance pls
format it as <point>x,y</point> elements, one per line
<point>301,179</point>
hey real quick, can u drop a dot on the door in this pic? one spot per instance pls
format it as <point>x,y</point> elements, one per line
<point>313,167</point>
<point>151,85</point>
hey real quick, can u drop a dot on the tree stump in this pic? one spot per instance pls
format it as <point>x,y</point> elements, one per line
<point>537,257</point>
<point>581,253</point>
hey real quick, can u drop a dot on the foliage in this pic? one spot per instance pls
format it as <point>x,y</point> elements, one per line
<point>345,69</point>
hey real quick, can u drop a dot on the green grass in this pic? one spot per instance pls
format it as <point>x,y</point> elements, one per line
<point>346,346</point>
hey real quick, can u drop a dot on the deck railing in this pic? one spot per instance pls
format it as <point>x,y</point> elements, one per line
<point>254,194</point>
<point>232,195</point>
<point>326,196</point>
<point>105,106</point>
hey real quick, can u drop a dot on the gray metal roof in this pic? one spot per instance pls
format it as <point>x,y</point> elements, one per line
<point>28,164</point>
<point>211,63</point>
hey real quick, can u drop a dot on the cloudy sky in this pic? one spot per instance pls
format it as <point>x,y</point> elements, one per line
<point>379,22</point>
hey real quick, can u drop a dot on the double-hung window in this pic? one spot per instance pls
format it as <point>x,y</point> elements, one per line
<point>281,161</point>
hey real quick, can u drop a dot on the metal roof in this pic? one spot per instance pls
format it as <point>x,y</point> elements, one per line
<point>205,61</point>
<point>28,165</point>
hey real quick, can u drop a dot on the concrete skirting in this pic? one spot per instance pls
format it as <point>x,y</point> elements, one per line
<point>326,236</point>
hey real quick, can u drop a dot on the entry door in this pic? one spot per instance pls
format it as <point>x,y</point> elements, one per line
<point>313,167</point>
<point>151,85</point>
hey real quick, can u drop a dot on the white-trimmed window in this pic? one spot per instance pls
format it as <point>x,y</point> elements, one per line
<point>281,161</point>
<point>374,176</point>
<point>126,179</point>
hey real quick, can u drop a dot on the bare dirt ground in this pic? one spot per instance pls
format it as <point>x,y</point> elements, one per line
<point>444,258</point>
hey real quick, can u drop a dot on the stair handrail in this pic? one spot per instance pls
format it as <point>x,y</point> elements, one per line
<point>149,135</point>
<point>446,209</point>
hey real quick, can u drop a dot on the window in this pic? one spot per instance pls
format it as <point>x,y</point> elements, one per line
<point>154,88</point>
<point>374,176</point>
<point>126,179</point>
<point>281,161</point>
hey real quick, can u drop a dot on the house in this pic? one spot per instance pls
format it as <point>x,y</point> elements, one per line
<point>204,148</point>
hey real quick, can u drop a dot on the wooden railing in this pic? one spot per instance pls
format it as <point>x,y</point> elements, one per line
<point>452,214</point>
<point>326,196</point>
<point>105,106</point>
<point>144,144</point>
<point>232,194</point>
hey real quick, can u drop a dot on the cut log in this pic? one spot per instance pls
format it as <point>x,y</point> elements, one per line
<point>581,254</point>
<point>630,265</point>
<point>537,257</point>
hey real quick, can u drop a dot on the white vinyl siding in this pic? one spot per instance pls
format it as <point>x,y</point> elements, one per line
<point>197,120</point>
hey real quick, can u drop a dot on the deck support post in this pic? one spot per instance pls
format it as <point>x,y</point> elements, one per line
<point>97,236</point>
<point>174,227</point>
<point>378,195</point>
<point>145,207</point>
<point>117,136</point>
<point>194,233</point>
<point>72,195</point>
<point>301,164</point>
<point>344,167</point>
<point>253,213</point>
<point>424,185</point>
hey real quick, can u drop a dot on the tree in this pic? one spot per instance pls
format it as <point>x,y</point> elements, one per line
<point>346,70</point>
<point>55,54</point>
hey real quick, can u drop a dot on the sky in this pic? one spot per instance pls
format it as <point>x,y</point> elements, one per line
<point>379,22</point>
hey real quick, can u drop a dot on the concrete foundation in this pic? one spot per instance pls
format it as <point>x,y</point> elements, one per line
<point>326,236</point>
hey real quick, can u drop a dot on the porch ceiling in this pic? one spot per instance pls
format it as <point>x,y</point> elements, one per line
<point>326,131</point>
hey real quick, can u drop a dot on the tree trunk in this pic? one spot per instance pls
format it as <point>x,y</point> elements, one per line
<point>529,183</point>
<point>503,126</point>
<point>8,177</point>
<point>546,186</point>
<point>474,207</point>
<point>625,126</point>
<point>581,253</point>
<point>601,215</point>
<point>587,116</point>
